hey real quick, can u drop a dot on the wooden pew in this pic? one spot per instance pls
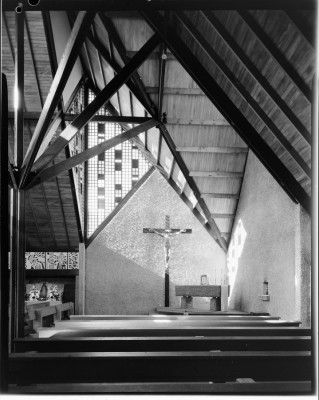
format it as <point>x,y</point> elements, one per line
<point>212,317</point>
<point>178,343</point>
<point>171,331</point>
<point>215,366</point>
<point>286,387</point>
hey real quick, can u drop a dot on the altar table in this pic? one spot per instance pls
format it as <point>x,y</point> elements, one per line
<point>218,293</point>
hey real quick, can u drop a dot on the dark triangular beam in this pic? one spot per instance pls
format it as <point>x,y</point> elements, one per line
<point>230,111</point>
<point>88,113</point>
<point>240,88</point>
<point>85,155</point>
<point>70,55</point>
<point>256,74</point>
<point>129,195</point>
<point>275,53</point>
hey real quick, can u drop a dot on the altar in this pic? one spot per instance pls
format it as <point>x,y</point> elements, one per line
<point>218,294</point>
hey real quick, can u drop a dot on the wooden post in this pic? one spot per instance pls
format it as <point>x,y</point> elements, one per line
<point>4,243</point>
<point>18,217</point>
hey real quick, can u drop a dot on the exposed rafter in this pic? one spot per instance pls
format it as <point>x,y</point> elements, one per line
<point>240,88</point>
<point>54,67</point>
<point>71,52</point>
<point>302,26</point>
<point>256,74</point>
<point>275,53</point>
<point>85,117</point>
<point>221,195</point>
<point>230,111</point>
<point>56,169</point>
<point>218,150</point>
<point>216,174</point>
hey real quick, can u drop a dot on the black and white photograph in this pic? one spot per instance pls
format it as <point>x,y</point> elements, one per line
<point>159,198</point>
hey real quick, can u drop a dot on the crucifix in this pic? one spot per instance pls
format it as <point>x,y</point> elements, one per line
<point>167,234</point>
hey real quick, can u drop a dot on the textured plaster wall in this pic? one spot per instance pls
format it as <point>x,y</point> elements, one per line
<point>269,242</point>
<point>125,267</point>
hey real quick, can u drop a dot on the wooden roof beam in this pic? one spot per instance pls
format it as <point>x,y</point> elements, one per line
<point>68,59</point>
<point>226,107</point>
<point>88,113</point>
<point>223,216</point>
<point>50,172</point>
<point>137,88</point>
<point>54,66</point>
<point>19,87</point>
<point>218,150</point>
<point>32,115</point>
<point>274,52</point>
<point>216,174</point>
<point>193,121</point>
<point>221,195</point>
<point>237,85</point>
<point>124,5</point>
<point>307,32</point>
<point>161,78</point>
<point>257,75</point>
<point>191,183</point>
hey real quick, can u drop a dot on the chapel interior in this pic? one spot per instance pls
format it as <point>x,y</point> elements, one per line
<point>157,197</point>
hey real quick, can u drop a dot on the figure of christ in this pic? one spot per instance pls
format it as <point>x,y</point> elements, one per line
<point>167,235</point>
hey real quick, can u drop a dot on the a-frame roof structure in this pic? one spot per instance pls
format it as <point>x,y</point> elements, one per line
<point>210,79</point>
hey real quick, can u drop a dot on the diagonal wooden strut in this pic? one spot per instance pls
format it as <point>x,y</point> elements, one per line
<point>85,155</point>
<point>225,106</point>
<point>88,113</point>
<point>68,59</point>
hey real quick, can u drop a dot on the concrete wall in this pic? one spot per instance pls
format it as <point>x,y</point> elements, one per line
<point>124,272</point>
<point>270,241</point>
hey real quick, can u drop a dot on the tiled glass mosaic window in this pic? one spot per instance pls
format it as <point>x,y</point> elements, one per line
<point>111,175</point>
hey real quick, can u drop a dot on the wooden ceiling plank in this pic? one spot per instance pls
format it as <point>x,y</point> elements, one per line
<point>237,85</point>
<point>98,56</point>
<point>192,121</point>
<point>124,5</point>
<point>105,94</point>
<point>68,59</point>
<point>180,162</point>
<point>50,172</point>
<point>19,87</point>
<point>216,174</point>
<point>267,43</point>
<point>257,75</point>
<point>207,149</point>
<point>246,131</point>
<point>33,61</point>
<point>221,195</point>
<point>223,216</point>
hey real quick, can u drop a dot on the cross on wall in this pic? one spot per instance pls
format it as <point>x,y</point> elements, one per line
<point>167,234</point>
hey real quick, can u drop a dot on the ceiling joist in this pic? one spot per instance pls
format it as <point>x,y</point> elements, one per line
<point>88,113</point>
<point>71,162</point>
<point>240,88</point>
<point>225,106</point>
<point>257,75</point>
<point>70,55</point>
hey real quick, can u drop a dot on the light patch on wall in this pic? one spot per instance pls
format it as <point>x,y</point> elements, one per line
<point>235,251</point>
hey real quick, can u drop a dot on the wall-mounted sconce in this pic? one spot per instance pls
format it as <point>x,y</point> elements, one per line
<point>265,296</point>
